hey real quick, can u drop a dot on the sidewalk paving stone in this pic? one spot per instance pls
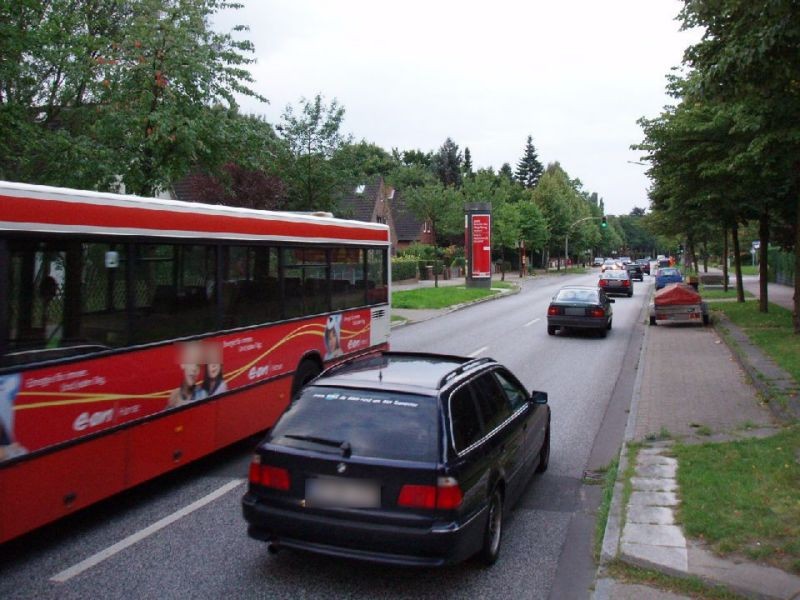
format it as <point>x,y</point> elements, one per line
<point>690,381</point>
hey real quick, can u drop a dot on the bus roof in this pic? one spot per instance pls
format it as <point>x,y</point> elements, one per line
<point>26,207</point>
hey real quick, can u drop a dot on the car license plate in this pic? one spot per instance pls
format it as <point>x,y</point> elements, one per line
<point>574,312</point>
<point>342,492</point>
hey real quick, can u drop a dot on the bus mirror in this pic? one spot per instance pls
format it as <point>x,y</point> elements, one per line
<point>112,259</point>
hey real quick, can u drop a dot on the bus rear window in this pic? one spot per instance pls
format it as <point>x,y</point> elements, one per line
<point>376,424</point>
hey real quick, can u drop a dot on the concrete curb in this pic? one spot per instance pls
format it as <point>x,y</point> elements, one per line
<point>613,532</point>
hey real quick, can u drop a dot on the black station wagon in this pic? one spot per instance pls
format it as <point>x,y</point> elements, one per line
<point>399,458</point>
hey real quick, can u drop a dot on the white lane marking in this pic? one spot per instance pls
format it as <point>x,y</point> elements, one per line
<point>529,323</point>
<point>478,351</point>
<point>132,539</point>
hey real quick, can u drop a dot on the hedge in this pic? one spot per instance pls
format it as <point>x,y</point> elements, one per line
<point>404,268</point>
<point>781,266</point>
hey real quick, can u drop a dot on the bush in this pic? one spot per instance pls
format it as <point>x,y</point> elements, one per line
<point>404,268</point>
<point>420,251</point>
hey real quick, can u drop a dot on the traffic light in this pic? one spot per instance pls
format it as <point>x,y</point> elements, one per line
<point>604,224</point>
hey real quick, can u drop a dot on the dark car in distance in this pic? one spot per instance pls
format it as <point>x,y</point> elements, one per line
<point>635,271</point>
<point>580,307</point>
<point>616,282</point>
<point>644,263</point>
<point>400,458</point>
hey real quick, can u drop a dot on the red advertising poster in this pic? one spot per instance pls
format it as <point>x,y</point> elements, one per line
<point>481,246</point>
<point>48,406</point>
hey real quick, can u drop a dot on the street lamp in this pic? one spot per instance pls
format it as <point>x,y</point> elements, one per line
<point>566,237</point>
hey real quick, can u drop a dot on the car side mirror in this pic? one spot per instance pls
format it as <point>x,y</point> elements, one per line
<point>538,397</point>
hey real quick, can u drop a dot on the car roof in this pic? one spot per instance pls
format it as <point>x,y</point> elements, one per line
<point>410,372</point>
<point>616,274</point>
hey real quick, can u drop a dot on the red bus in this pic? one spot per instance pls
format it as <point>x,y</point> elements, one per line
<point>138,334</point>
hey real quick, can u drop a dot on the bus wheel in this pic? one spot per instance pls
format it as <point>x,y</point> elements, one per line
<point>306,371</point>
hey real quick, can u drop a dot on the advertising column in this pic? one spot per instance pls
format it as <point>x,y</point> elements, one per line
<point>478,244</point>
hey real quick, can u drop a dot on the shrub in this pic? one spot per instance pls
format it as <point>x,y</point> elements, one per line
<point>404,268</point>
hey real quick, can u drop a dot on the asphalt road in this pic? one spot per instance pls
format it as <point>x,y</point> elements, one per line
<point>182,536</point>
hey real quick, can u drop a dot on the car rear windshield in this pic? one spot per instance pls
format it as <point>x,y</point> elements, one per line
<point>375,424</point>
<point>669,272</point>
<point>576,296</point>
<point>615,275</point>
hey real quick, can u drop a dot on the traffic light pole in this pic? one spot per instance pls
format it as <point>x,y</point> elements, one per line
<point>604,224</point>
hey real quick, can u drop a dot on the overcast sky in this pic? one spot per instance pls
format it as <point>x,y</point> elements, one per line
<point>574,74</point>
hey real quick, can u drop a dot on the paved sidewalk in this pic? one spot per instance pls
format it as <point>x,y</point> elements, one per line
<point>691,386</point>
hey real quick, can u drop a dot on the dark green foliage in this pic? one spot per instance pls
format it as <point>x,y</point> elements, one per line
<point>92,93</point>
<point>446,164</point>
<point>529,169</point>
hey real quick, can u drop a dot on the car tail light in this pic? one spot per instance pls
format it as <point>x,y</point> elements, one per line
<point>625,283</point>
<point>449,494</point>
<point>446,495</point>
<point>268,476</point>
<point>597,312</point>
<point>603,283</point>
<point>554,310</point>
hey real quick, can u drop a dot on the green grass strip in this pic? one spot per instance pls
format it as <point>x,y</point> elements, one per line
<point>441,297</point>
<point>692,586</point>
<point>719,294</point>
<point>772,332</point>
<point>742,497</point>
<point>605,506</point>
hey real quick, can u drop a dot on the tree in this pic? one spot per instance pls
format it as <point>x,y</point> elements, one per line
<point>438,204</point>
<point>467,163</point>
<point>312,138</point>
<point>749,61</point>
<point>364,160</point>
<point>446,164</point>
<point>553,195</point>
<point>238,186</point>
<point>96,93</point>
<point>529,169</point>
<point>506,171</point>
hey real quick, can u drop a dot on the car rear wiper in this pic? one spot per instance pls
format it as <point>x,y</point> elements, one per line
<point>343,446</point>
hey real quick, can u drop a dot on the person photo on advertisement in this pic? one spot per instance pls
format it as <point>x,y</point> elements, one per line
<point>191,358</point>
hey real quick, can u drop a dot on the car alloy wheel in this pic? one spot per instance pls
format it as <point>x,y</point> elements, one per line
<point>544,452</point>
<point>493,533</point>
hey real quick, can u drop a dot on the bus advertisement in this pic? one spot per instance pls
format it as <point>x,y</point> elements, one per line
<point>137,335</point>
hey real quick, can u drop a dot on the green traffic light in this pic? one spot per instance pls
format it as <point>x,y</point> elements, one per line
<point>604,223</point>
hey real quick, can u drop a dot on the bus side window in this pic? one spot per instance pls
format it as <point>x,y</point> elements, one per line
<point>347,278</point>
<point>377,280</point>
<point>104,319</point>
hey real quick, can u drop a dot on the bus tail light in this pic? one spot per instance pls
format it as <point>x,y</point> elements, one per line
<point>276,478</point>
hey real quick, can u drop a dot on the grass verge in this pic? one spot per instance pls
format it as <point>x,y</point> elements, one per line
<point>741,497</point>
<point>772,332</point>
<point>605,506</point>
<point>718,294</point>
<point>693,587</point>
<point>441,297</point>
